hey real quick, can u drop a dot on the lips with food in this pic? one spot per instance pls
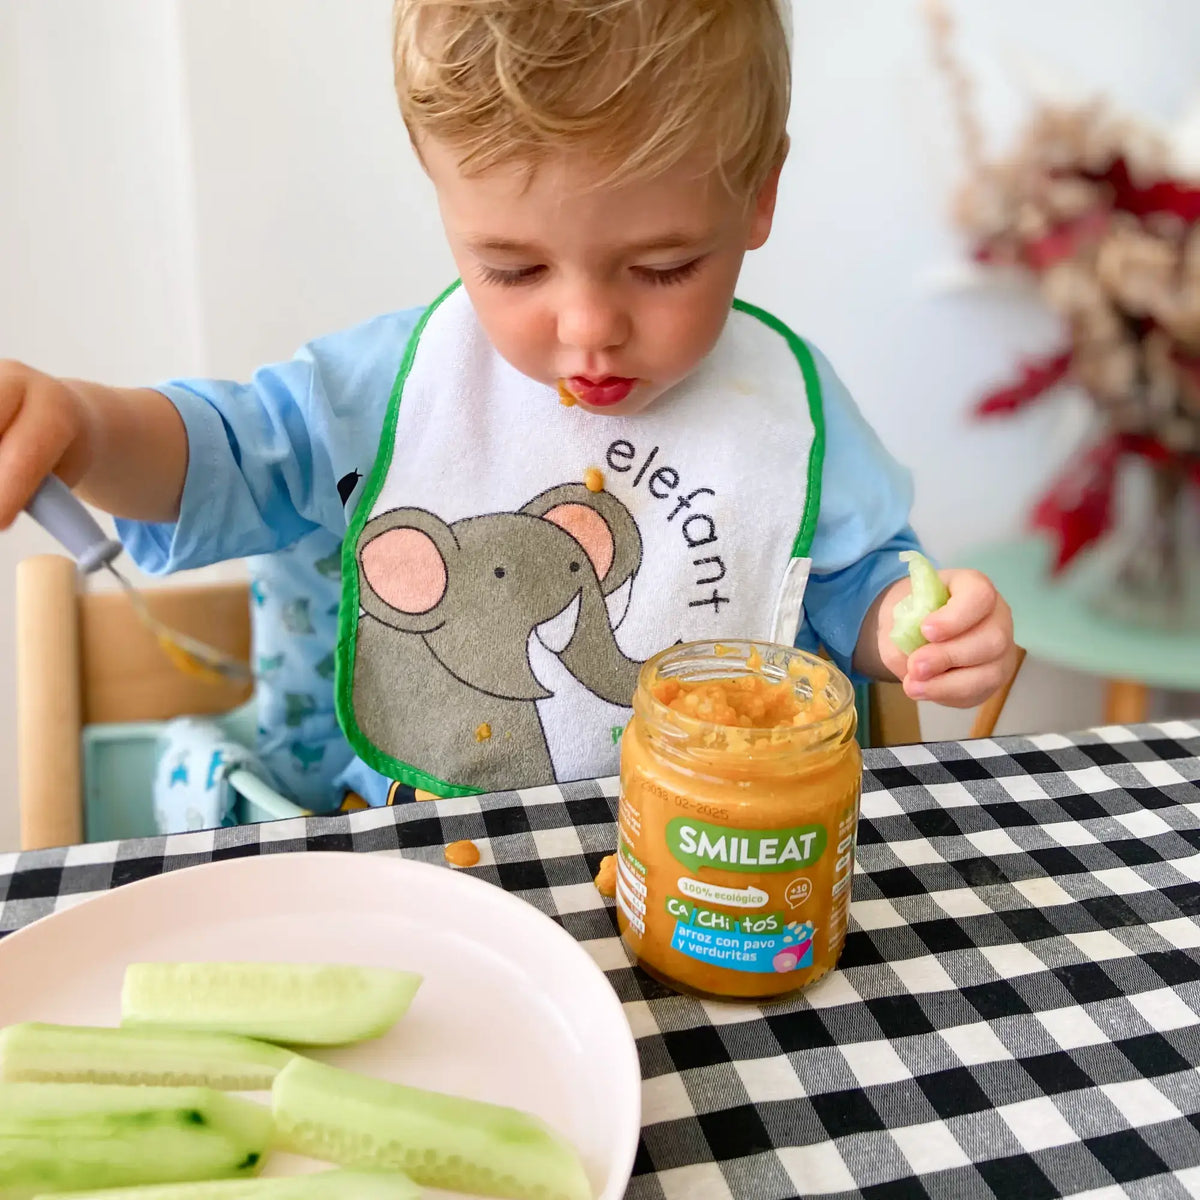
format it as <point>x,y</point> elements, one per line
<point>598,392</point>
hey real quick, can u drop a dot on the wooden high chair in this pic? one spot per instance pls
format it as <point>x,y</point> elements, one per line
<point>84,658</point>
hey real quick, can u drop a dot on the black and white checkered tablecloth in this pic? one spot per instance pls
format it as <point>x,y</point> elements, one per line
<point>1017,1013</point>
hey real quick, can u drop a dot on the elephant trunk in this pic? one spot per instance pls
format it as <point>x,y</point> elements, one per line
<point>594,657</point>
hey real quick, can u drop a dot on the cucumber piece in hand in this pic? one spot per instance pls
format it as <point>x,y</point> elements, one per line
<point>36,1053</point>
<point>60,1137</point>
<point>302,1004</point>
<point>928,594</point>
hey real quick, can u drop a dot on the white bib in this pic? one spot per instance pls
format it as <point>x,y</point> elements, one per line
<point>497,608</point>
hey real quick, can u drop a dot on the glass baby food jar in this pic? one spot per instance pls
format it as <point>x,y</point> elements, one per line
<point>740,783</point>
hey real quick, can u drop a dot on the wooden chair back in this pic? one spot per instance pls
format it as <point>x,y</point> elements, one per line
<point>84,658</point>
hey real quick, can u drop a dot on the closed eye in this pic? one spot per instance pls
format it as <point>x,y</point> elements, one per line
<point>667,275</point>
<point>513,277</point>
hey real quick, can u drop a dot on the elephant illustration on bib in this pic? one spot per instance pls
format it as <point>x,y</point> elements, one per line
<point>455,616</point>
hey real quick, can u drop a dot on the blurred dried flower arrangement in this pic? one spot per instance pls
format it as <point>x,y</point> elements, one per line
<point>1091,208</point>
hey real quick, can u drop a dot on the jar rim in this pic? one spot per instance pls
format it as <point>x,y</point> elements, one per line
<point>738,651</point>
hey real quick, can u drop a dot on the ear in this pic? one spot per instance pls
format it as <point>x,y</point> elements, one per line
<point>405,569</point>
<point>762,211</point>
<point>600,523</point>
<point>589,529</point>
<point>404,560</point>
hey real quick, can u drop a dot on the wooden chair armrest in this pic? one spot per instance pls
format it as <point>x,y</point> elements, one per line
<point>990,710</point>
<point>49,705</point>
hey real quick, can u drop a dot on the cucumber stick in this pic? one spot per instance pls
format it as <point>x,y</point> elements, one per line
<point>301,1004</point>
<point>440,1141</point>
<point>325,1185</point>
<point>35,1053</point>
<point>58,1137</point>
<point>928,594</point>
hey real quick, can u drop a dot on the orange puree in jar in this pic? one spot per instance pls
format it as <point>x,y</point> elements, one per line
<point>740,780</point>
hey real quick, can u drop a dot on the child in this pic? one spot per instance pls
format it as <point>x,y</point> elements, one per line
<point>583,454</point>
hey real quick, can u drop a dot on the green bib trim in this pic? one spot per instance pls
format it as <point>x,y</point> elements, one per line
<point>802,546</point>
<point>348,609</point>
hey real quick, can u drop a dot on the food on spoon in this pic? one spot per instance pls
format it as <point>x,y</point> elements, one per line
<point>928,594</point>
<point>37,1053</point>
<point>303,1004</point>
<point>57,1137</point>
<point>439,1140</point>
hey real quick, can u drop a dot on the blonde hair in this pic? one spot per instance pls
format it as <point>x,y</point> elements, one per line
<point>640,84</point>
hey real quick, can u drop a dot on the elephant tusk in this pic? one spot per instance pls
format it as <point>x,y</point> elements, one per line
<point>618,603</point>
<point>556,633</point>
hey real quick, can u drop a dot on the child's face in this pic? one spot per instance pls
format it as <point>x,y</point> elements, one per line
<point>615,292</point>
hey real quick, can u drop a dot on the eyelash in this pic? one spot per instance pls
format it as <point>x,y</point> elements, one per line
<point>670,275</point>
<point>508,278</point>
<point>524,275</point>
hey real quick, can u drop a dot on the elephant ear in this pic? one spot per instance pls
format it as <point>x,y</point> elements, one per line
<point>404,563</point>
<point>601,524</point>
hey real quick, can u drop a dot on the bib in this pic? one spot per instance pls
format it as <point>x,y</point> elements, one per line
<point>513,562</point>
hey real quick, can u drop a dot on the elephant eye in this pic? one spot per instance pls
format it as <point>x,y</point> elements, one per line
<point>500,572</point>
<point>574,566</point>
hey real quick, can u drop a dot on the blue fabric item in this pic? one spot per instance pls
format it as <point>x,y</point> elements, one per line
<point>276,467</point>
<point>191,788</point>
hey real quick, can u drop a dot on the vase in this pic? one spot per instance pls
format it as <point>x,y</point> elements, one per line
<point>1153,555</point>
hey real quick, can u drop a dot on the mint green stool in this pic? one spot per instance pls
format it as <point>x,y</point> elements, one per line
<point>1055,622</point>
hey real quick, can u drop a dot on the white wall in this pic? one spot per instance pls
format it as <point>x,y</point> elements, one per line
<point>201,185</point>
<point>311,212</point>
<point>95,271</point>
<point>863,221</point>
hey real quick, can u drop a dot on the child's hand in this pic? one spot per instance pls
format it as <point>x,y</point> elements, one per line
<point>970,652</point>
<point>43,429</point>
<point>123,449</point>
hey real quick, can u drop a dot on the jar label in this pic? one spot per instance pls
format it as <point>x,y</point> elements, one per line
<point>631,887</point>
<point>707,894</point>
<point>765,943</point>
<point>698,844</point>
<point>731,897</point>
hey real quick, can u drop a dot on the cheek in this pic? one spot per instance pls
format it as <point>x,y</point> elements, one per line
<point>686,327</point>
<point>516,327</point>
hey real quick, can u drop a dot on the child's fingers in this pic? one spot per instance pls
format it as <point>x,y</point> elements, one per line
<point>965,688</point>
<point>34,441</point>
<point>972,600</point>
<point>12,391</point>
<point>987,642</point>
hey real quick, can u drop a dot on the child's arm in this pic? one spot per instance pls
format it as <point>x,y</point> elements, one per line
<point>970,651</point>
<point>124,449</point>
<point>203,470</point>
<point>858,574</point>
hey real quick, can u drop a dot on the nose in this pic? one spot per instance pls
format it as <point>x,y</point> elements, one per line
<point>592,321</point>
